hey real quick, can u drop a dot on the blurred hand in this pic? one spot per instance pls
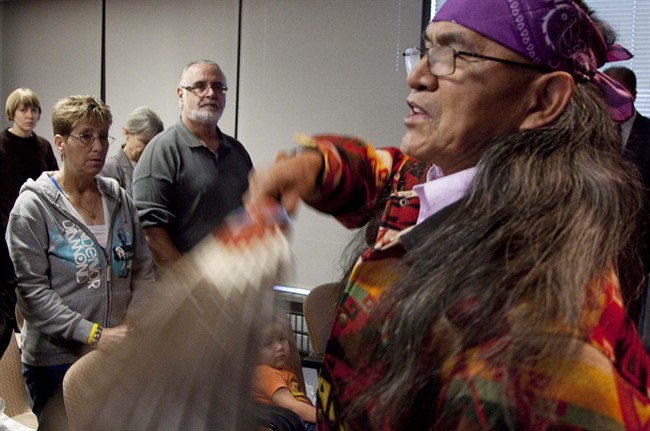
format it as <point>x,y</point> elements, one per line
<point>112,336</point>
<point>131,322</point>
<point>288,180</point>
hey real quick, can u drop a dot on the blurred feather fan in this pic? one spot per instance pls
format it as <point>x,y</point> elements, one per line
<point>188,366</point>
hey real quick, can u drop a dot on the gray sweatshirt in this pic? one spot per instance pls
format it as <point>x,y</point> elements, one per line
<point>66,281</point>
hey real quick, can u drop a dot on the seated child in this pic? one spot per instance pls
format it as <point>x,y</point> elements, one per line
<point>273,382</point>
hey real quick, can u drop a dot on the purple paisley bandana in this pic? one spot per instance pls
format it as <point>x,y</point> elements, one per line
<point>553,33</point>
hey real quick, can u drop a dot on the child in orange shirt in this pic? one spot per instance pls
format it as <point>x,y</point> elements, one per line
<point>273,382</point>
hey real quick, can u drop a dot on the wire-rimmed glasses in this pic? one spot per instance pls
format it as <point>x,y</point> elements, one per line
<point>442,59</point>
<point>88,138</point>
<point>201,88</point>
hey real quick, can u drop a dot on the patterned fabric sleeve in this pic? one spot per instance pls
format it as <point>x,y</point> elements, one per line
<point>354,177</point>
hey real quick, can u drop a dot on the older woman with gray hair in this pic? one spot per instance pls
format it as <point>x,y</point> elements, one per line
<point>141,126</point>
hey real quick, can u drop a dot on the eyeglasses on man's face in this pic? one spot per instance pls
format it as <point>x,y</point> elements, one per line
<point>442,59</point>
<point>88,138</point>
<point>201,88</point>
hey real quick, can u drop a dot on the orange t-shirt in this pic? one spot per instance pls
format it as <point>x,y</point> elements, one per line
<point>267,380</point>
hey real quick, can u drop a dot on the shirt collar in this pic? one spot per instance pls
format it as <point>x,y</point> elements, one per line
<point>193,142</point>
<point>442,190</point>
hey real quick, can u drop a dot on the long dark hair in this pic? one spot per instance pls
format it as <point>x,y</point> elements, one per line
<point>549,210</point>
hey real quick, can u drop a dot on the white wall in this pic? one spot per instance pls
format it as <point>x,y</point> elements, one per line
<point>149,42</point>
<point>306,65</point>
<point>52,47</point>
<point>322,66</point>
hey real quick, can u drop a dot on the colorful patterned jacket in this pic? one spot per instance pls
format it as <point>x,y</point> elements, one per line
<point>604,386</point>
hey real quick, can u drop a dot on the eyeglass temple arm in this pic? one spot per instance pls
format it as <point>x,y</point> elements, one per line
<point>504,61</point>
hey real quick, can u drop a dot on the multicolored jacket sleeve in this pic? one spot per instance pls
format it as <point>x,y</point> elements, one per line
<point>355,177</point>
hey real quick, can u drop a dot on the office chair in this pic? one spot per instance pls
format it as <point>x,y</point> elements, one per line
<point>319,308</point>
<point>76,387</point>
<point>12,387</point>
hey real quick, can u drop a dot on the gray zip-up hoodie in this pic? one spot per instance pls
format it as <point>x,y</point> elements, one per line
<point>66,281</point>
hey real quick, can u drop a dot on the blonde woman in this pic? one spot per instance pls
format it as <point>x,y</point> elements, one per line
<point>23,154</point>
<point>80,255</point>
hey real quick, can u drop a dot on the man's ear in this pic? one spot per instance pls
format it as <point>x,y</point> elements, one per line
<point>179,93</point>
<point>549,95</point>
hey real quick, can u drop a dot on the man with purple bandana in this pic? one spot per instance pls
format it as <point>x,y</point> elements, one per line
<point>492,295</point>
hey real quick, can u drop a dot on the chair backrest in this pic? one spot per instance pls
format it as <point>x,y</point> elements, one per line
<point>73,388</point>
<point>77,390</point>
<point>12,384</point>
<point>319,308</point>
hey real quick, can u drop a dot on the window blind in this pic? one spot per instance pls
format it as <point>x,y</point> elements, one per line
<point>631,20</point>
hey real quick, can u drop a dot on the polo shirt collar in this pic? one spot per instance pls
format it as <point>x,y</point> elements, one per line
<point>189,139</point>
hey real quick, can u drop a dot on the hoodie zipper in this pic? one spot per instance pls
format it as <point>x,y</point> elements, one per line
<point>105,253</point>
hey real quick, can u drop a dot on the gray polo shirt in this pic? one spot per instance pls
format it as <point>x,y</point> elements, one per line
<point>179,184</point>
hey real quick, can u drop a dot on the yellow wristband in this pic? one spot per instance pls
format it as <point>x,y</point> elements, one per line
<point>92,333</point>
